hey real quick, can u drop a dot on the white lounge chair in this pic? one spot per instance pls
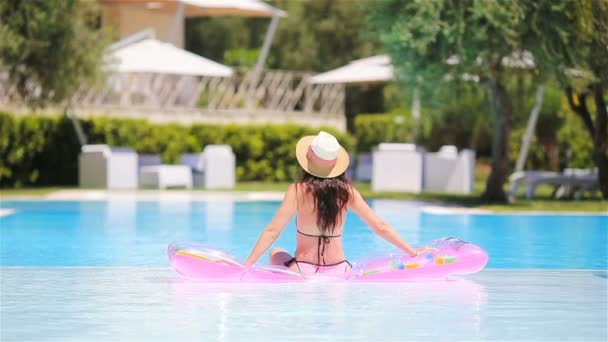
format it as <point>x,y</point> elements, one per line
<point>195,162</point>
<point>397,167</point>
<point>100,166</point>
<point>165,176</point>
<point>214,168</point>
<point>153,174</point>
<point>219,167</point>
<point>407,167</point>
<point>363,170</point>
<point>449,171</point>
<point>570,183</point>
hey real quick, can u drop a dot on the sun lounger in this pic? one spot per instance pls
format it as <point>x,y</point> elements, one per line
<point>214,168</point>
<point>100,166</point>
<point>409,168</point>
<point>165,176</point>
<point>449,171</point>
<point>397,167</point>
<point>154,174</point>
<point>363,170</point>
<point>195,161</point>
<point>569,183</point>
<point>219,165</point>
<point>149,160</point>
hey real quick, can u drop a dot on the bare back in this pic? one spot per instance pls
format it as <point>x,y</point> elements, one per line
<point>309,236</point>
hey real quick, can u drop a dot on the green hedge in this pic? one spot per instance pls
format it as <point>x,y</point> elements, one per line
<point>560,139</point>
<point>37,150</point>
<point>373,129</point>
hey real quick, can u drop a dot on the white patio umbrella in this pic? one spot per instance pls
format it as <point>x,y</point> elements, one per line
<point>154,56</point>
<point>378,69</point>
<point>374,69</point>
<point>205,8</point>
<point>244,8</point>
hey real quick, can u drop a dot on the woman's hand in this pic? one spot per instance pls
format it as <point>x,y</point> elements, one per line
<point>424,249</point>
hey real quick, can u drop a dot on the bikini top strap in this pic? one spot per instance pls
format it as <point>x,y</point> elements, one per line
<point>297,211</point>
<point>320,236</point>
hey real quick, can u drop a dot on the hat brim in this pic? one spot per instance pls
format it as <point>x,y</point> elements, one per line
<point>339,168</point>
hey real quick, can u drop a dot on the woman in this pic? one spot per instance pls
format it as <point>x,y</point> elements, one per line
<point>320,201</point>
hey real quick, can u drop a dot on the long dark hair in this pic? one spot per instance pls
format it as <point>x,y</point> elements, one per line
<point>331,195</point>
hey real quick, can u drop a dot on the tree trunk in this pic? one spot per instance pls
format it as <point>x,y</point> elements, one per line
<point>502,110</point>
<point>598,130</point>
<point>600,141</point>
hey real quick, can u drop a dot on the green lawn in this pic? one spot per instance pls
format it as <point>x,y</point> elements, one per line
<point>30,191</point>
<point>543,202</point>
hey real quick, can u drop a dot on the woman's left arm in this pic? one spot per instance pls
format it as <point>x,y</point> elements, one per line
<point>276,226</point>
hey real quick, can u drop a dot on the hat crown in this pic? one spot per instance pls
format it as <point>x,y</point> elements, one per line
<point>325,146</point>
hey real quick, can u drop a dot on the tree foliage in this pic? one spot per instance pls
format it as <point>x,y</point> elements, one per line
<point>49,48</point>
<point>317,35</point>
<point>570,40</point>
<point>433,43</point>
<point>428,40</point>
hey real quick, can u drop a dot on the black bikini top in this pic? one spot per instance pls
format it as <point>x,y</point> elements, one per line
<point>323,239</point>
<point>321,236</point>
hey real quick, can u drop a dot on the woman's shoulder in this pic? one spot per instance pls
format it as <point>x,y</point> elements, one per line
<point>353,190</point>
<point>295,187</point>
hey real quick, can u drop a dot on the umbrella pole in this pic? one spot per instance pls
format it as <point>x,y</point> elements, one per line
<point>262,59</point>
<point>415,113</point>
<point>177,22</point>
<point>82,138</point>
<point>525,143</point>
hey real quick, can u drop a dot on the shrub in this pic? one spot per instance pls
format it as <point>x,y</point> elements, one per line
<point>575,145</point>
<point>37,150</point>
<point>372,129</point>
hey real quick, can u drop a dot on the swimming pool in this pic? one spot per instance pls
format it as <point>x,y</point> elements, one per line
<point>98,270</point>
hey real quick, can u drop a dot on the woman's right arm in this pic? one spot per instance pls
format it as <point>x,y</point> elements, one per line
<point>381,228</point>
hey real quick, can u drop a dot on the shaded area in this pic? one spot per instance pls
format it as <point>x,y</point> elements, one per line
<point>154,303</point>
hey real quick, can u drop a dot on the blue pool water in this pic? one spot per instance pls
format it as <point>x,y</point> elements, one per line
<point>136,233</point>
<point>546,278</point>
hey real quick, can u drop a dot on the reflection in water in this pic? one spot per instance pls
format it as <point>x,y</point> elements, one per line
<point>223,305</point>
<point>403,216</point>
<point>134,303</point>
<point>385,310</point>
<point>218,223</point>
<point>218,215</point>
<point>121,214</point>
<point>178,210</point>
<point>119,227</point>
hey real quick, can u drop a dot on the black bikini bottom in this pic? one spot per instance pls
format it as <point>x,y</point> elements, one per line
<point>292,260</point>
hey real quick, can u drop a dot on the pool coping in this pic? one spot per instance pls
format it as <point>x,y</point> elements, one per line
<point>100,195</point>
<point>427,207</point>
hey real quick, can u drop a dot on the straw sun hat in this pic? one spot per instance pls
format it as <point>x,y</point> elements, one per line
<point>321,155</point>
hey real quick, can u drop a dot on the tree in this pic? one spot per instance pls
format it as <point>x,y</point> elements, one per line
<point>49,48</point>
<point>430,41</point>
<point>570,39</point>
<point>214,37</point>
<point>317,35</point>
